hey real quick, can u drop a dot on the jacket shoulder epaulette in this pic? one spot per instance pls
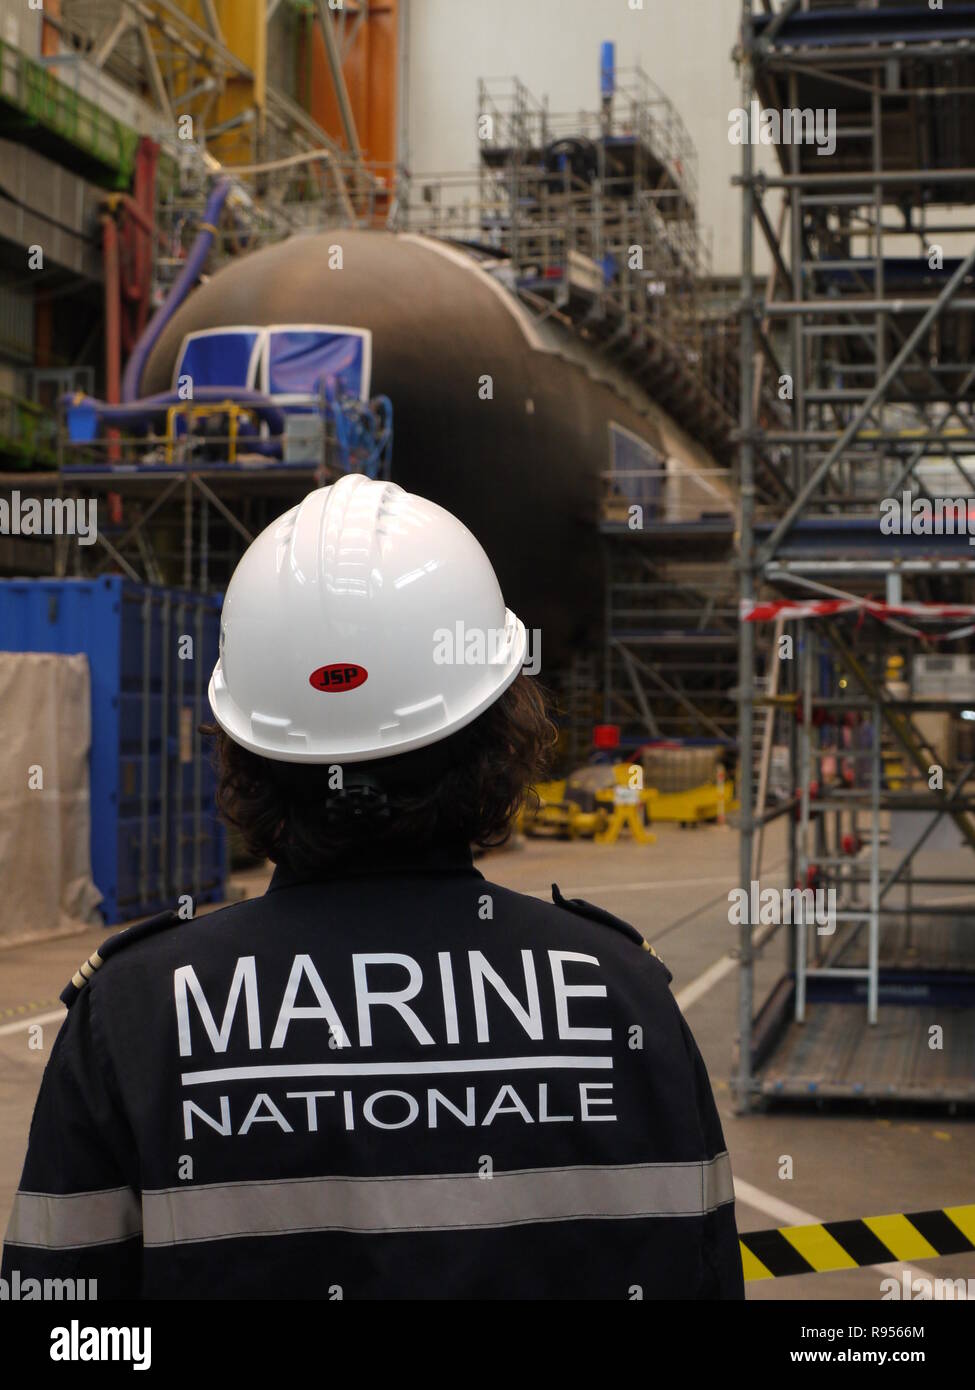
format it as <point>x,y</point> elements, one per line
<point>108,949</point>
<point>599,914</point>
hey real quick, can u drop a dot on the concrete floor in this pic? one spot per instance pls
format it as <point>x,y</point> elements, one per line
<point>844,1165</point>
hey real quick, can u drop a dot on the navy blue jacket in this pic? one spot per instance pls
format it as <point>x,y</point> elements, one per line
<point>398,1083</point>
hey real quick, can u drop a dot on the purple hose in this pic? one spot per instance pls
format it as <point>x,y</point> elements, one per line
<point>188,277</point>
<point>144,412</point>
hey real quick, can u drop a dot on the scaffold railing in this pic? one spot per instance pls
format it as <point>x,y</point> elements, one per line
<point>864,562</point>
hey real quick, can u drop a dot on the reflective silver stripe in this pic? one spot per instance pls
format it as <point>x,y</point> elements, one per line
<point>52,1222</point>
<point>435,1203</point>
<point>438,1068</point>
<point>719,1185</point>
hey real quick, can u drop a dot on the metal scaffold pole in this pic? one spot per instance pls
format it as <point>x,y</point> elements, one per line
<point>746,631</point>
<point>875,348</point>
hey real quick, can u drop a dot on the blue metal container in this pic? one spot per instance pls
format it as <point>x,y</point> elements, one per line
<point>154,832</point>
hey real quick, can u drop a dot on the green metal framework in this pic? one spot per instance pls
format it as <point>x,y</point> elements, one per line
<point>63,121</point>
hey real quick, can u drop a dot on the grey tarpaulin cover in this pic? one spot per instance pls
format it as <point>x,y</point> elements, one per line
<point>46,886</point>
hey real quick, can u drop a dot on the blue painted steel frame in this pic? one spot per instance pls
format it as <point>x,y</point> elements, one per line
<point>88,616</point>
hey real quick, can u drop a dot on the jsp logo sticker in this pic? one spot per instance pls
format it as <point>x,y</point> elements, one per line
<point>340,676</point>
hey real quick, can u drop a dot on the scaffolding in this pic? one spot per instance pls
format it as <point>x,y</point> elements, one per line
<point>179,503</point>
<point>590,219</point>
<point>591,216</point>
<point>670,626</point>
<point>307,192</point>
<point>868,310</point>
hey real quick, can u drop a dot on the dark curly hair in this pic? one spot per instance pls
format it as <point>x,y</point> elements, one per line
<point>465,789</point>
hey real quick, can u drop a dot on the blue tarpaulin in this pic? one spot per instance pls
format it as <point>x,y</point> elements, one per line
<point>299,359</point>
<point>217,359</point>
<point>290,363</point>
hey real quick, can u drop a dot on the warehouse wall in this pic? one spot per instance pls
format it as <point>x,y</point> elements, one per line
<point>20,26</point>
<point>553,46</point>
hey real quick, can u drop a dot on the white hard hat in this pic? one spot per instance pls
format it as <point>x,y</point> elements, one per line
<point>364,622</point>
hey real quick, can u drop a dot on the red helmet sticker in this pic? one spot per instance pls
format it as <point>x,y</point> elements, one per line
<point>337,678</point>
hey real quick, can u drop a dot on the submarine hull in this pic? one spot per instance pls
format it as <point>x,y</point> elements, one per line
<point>510,436</point>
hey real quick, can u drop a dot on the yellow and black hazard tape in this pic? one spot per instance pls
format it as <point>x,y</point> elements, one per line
<point>874,1240</point>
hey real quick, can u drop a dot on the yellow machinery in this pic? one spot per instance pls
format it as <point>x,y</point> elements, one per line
<point>561,818</point>
<point>568,811</point>
<point>562,811</point>
<point>626,812</point>
<point>190,412</point>
<point>709,802</point>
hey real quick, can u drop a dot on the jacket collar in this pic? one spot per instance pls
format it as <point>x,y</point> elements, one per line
<point>438,860</point>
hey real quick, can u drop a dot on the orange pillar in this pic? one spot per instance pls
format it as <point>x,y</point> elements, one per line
<point>50,36</point>
<point>371,75</point>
